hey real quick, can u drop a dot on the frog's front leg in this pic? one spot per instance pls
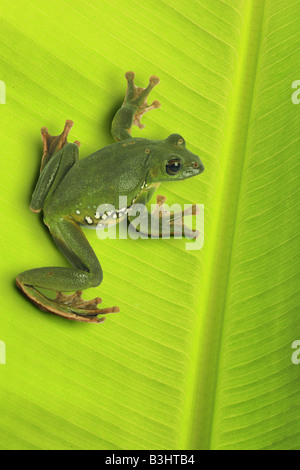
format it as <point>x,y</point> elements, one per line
<point>161,223</point>
<point>86,273</point>
<point>133,108</point>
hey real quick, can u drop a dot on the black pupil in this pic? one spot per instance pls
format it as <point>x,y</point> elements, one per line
<point>173,167</point>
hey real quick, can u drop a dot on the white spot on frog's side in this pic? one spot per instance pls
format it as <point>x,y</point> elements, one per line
<point>77,211</point>
<point>88,219</point>
<point>122,211</point>
<point>97,215</point>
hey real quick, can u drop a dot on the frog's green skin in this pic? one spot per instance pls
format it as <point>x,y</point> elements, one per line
<point>69,192</point>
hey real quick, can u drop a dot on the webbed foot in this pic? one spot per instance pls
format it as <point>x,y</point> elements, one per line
<point>52,144</point>
<point>162,223</point>
<point>72,307</point>
<point>134,106</point>
<point>137,96</point>
<point>173,222</point>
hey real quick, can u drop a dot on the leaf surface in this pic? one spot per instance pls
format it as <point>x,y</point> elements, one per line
<point>200,355</point>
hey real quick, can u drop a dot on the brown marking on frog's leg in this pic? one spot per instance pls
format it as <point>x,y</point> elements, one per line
<point>52,144</point>
<point>71,307</point>
<point>137,96</point>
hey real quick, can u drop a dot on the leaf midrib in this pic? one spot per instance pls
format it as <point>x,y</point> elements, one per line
<point>207,352</point>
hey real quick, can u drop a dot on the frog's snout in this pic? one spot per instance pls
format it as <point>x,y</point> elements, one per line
<point>198,165</point>
<point>193,168</point>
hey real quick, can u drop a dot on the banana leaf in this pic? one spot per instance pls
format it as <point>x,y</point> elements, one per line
<point>200,355</point>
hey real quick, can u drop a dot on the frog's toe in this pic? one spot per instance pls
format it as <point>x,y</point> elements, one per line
<point>52,144</point>
<point>173,222</point>
<point>130,76</point>
<point>72,307</point>
<point>85,308</point>
<point>142,110</point>
<point>137,96</point>
<point>178,226</point>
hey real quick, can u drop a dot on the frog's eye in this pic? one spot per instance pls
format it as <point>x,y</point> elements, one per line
<point>173,166</point>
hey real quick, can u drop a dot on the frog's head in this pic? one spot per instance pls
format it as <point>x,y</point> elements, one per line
<point>172,161</point>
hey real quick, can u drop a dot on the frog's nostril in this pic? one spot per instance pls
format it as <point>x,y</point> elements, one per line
<point>199,166</point>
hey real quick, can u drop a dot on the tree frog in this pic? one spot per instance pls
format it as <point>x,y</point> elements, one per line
<point>69,191</point>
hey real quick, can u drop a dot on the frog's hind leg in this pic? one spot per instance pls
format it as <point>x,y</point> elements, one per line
<point>52,144</point>
<point>52,175</point>
<point>134,106</point>
<point>85,273</point>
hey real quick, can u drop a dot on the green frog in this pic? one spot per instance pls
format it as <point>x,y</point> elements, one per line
<point>69,191</point>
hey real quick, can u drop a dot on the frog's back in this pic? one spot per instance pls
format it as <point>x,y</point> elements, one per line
<point>101,177</point>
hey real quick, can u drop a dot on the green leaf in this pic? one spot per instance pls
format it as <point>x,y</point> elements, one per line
<point>200,355</point>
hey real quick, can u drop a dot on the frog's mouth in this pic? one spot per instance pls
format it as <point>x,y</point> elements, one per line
<point>194,169</point>
<point>188,172</point>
